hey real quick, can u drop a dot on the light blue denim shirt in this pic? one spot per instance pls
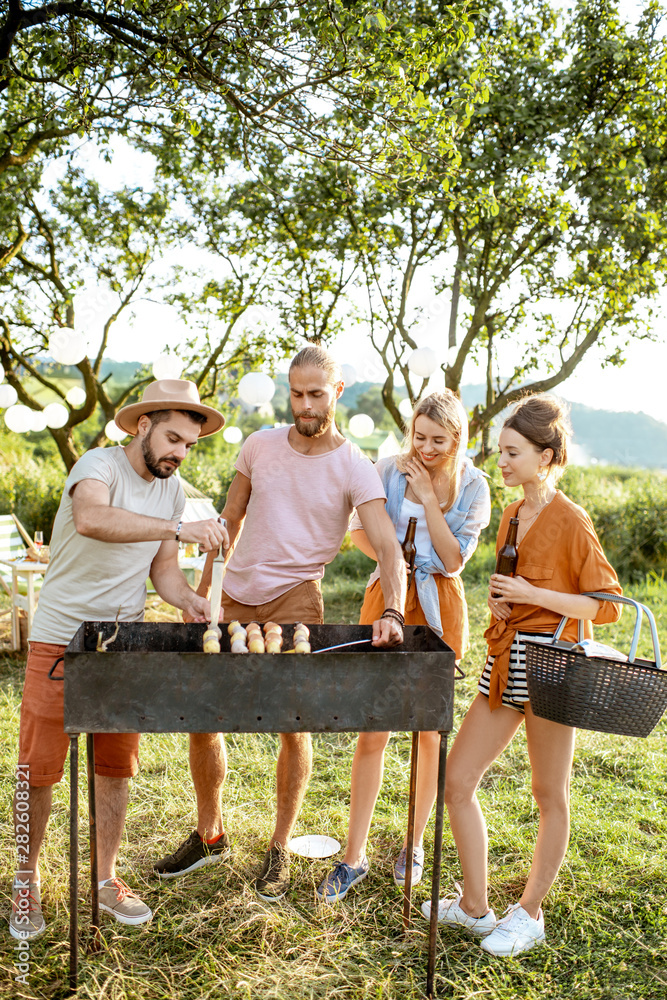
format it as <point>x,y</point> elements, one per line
<point>468,515</point>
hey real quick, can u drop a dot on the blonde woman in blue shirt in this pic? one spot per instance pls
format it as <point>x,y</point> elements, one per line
<point>433,481</point>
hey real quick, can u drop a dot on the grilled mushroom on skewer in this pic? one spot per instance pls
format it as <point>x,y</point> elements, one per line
<point>212,640</point>
<point>238,636</point>
<point>273,637</point>
<point>255,638</point>
<point>213,634</point>
<point>301,638</point>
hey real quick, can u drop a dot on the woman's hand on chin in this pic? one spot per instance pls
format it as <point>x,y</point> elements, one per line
<point>420,481</point>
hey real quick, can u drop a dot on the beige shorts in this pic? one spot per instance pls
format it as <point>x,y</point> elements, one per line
<point>302,603</point>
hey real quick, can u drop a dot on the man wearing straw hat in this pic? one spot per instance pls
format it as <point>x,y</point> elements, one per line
<point>119,522</point>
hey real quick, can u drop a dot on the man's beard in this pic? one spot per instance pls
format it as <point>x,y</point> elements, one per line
<point>319,425</point>
<point>151,460</point>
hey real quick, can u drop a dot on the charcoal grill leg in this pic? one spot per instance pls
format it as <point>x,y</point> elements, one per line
<point>437,859</point>
<point>95,941</point>
<point>73,862</point>
<point>407,889</point>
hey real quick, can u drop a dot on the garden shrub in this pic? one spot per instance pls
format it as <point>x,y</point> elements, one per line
<point>211,477</point>
<point>627,506</point>
<point>32,491</point>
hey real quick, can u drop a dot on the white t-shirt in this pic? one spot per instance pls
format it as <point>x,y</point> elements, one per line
<point>87,579</point>
<point>409,509</point>
<point>297,515</point>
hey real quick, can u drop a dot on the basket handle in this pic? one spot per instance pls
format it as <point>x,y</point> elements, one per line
<point>639,608</point>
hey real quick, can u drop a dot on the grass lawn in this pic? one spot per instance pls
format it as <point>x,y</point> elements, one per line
<point>606,917</point>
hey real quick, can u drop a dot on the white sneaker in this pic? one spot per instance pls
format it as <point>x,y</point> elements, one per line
<point>452,914</point>
<point>517,931</point>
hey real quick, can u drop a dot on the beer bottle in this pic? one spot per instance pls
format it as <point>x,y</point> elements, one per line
<point>508,555</point>
<point>409,547</point>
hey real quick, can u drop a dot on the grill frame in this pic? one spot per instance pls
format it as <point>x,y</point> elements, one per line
<point>366,689</point>
<point>155,678</point>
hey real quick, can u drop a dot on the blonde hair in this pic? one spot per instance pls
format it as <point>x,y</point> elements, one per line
<point>443,408</point>
<point>317,357</point>
<point>544,421</point>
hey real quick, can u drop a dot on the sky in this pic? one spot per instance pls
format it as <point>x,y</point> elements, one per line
<point>639,385</point>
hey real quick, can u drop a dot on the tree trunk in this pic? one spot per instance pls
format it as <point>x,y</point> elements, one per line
<point>63,438</point>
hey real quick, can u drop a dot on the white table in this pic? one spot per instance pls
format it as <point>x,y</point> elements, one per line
<point>26,568</point>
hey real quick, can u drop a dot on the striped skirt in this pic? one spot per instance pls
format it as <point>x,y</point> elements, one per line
<point>515,694</point>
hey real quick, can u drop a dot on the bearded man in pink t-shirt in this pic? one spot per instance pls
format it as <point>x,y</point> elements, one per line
<point>293,494</point>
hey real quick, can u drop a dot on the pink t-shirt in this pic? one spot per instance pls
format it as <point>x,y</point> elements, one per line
<point>297,515</point>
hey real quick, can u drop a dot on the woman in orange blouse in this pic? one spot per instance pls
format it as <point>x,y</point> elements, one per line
<point>560,558</point>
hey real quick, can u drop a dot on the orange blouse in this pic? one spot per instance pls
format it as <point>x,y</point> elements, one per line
<point>560,551</point>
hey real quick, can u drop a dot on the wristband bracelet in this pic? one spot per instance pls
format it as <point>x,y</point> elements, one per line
<point>178,531</point>
<point>393,613</point>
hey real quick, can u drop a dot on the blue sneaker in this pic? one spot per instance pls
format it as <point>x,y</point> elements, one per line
<point>417,865</point>
<point>340,880</point>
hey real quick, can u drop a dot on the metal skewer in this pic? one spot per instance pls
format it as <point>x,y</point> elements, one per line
<point>342,645</point>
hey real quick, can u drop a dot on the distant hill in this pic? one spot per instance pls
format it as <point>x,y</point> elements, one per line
<point>122,371</point>
<point>607,436</point>
<point>633,439</point>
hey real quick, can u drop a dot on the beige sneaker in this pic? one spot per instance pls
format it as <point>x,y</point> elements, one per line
<point>118,899</point>
<point>27,920</point>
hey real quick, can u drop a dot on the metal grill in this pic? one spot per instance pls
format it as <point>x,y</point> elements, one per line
<point>154,678</point>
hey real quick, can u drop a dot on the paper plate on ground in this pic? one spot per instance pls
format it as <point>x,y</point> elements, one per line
<point>314,845</point>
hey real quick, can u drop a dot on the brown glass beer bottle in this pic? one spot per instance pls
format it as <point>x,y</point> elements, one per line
<point>409,547</point>
<point>508,555</point>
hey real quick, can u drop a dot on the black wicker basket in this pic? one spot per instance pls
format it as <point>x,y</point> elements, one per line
<point>610,696</point>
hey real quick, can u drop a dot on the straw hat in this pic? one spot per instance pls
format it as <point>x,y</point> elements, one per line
<point>169,394</point>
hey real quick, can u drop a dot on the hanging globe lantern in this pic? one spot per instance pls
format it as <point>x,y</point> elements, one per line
<point>76,397</point>
<point>19,418</point>
<point>167,366</point>
<point>361,425</point>
<point>67,346</point>
<point>256,389</point>
<point>114,432</point>
<point>8,395</point>
<point>349,375</point>
<point>2,374</point>
<point>37,421</point>
<point>56,415</point>
<point>405,408</point>
<point>232,435</point>
<point>423,362</point>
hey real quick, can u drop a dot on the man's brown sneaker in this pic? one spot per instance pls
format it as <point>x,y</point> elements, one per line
<point>274,879</point>
<point>193,853</point>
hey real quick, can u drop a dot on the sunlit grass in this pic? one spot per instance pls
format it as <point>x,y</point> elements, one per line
<point>606,916</point>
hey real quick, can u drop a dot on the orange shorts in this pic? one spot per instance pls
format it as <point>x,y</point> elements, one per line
<point>453,610</point>
<point>302,603</point>
<point>43,742</point>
